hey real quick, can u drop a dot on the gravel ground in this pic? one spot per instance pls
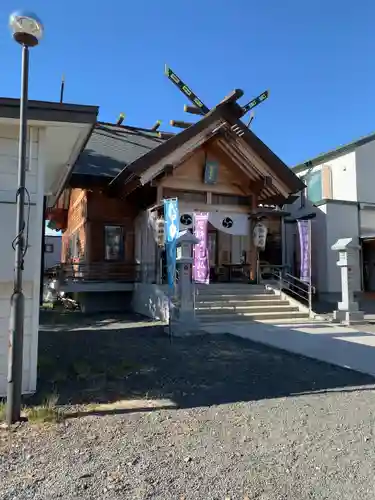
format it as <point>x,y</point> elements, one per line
<point>211,417</point>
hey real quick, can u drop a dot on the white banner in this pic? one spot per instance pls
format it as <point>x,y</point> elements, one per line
<point>260,236</point>
<point>186,220</point>
<point>236,224</point>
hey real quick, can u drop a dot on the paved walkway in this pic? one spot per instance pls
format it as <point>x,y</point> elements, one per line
<point>348,347</point>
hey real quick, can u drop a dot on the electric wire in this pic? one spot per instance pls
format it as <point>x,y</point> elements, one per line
<point>25,227</point>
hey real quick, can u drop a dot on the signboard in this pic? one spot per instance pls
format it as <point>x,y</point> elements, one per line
<point>304,229</point>
<point>160,232</point>
<point>171,217</point>
<point>201,260</point>
<point>186,90</point>
<point>260,236</point>
<point>211,172</point>
<point>262,97</point>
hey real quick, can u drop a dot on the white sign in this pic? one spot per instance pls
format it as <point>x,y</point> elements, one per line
<point>260,235</point>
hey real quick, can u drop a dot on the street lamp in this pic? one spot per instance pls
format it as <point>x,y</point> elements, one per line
<point>27,30</point>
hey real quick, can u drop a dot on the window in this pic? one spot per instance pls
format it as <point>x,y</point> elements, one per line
<point>48,248</point>
<point>113,242</point>
<point>313,181</point>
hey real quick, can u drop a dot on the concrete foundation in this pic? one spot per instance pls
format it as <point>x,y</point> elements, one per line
<point>348,317</point>
<point>95,302</point>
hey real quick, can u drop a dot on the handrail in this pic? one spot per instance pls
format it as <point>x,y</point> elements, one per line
<point>287,283</point>
<point>295,278</point>
<point>106,271</point>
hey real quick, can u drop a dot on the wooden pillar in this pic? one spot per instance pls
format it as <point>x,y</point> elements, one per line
<point>252,249</point>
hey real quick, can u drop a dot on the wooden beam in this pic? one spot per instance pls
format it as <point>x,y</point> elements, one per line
<point>259,186</point>
<point>253,249</point>
<point>159,195</point>
<point>166,135</point>
<point>130,186</point>
<point>120,119</point>
<point>180,124</point>
<point>167,172</point>
<point>156,125</point>
<point>193,110</point>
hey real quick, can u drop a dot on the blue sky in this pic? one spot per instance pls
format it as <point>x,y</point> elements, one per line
<point>316,57</point>
<point>51,232</point>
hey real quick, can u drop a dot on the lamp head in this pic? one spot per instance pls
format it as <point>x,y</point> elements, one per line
<point>27,29</point>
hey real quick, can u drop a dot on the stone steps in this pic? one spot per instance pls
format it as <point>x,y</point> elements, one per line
<point>236,302</point>
<point>249,290</point>
<point>233,302</point>
<point>201,309</point>
<point>271,316</point>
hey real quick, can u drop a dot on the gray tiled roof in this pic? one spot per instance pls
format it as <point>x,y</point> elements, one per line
<point>112,147</point>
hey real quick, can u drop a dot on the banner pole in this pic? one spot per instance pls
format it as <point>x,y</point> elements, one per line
<point>171,218</point>
<point>310,270</point>
<point>170,316</point>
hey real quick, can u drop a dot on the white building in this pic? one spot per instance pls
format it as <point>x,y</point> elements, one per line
<point>52,249</point>
<point>57,133</point>
<point>341,193</point>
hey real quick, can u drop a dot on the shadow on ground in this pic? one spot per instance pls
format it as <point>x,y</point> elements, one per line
<point>103,360</point>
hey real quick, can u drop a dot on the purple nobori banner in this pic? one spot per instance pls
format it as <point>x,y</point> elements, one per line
<point>305,250</point>
<point>201,262</point>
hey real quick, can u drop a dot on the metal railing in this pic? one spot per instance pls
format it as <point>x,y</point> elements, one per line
<point>293,286</point>
<point>106,271</point>
<point>226,273</point>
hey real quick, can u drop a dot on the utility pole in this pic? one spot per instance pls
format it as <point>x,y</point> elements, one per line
<point>27,30</point>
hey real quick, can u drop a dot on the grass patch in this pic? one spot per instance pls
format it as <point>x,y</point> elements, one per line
<point>82,369</point>
<point>119,369</point>
<point>46,363</point>
<point>3,408</point>
<point>47,412</point>
<point>47,305</point>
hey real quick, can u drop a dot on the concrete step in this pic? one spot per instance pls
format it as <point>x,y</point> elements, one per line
<point>203,310</point>
<point>234,302</point>
<point>236,298</point>
<point>297,322</point>
<point>273,316</point>
<point>229,291</point>
<point>232,289</point>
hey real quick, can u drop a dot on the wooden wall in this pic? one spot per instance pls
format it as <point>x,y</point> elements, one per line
<point>103,210</point>
<point>76,223</point>
<point>189,176</point>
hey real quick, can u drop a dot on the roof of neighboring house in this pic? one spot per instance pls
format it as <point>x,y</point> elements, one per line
<point>112,147</point>
<point>49,111</point>
<point>334,153</point>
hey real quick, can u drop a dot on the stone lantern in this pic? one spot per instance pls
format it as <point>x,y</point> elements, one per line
<point>184,321</point>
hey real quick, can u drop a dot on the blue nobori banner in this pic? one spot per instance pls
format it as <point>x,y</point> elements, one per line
<point>172,219</point>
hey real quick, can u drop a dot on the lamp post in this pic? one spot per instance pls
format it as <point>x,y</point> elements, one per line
<point>27,30</point>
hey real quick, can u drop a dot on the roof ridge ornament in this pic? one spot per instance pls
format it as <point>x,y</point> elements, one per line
<point>199,108</point>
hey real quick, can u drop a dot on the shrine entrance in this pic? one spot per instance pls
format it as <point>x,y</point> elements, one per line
<point>227,255</point>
